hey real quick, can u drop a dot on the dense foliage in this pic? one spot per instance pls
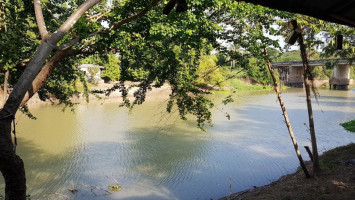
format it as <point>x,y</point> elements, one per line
<point>209,73</point>
<point>111,68</point>
<point>110,63</point>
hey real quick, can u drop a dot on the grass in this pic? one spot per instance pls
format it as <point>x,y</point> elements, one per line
<point>337,155</point>
<point>80,86</point>
<point>242,85</point>
<point>336,181</point>
<point>350,125</point>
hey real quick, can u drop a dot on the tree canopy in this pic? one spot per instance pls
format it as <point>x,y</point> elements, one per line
<point>154,47</point>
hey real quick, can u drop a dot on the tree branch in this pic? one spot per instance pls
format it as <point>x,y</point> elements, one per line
<point>6,80</point>
<point>217,67</point>
<point>113,27</point>
<point>24,84</point>
<point>98,17</point>
<point>143,12</point>
<point>3,92</point>
<point>40,20</point>
<point>228,78</point>
<point>46,71</point>
<point>69,23</point>
<point>78,39</point>
<point>2,12</point>
<point>54,17</point>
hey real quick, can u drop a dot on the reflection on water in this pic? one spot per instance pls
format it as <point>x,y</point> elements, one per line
<point>154,155</point>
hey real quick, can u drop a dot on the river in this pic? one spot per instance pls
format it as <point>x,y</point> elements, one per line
<point>154,155</point>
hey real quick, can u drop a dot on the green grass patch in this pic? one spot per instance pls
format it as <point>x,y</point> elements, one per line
<point>350,125</point>
<point>241,85</point>
<point>80,86</point>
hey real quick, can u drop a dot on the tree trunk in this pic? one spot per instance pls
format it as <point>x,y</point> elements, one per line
<point>287,120</point>
<point>307,85</point>
<point>4,92</point>
<point>11,165</point>
<point>45,72</point>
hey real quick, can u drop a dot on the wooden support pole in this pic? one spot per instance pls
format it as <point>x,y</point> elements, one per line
<point>307,85</point>
<point>309,152</point>
<point>287,120</point>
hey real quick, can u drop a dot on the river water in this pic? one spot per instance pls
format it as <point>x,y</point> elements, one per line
<point>154,155</point>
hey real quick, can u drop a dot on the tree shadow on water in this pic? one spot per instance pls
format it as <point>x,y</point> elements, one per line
<point>145,163</point>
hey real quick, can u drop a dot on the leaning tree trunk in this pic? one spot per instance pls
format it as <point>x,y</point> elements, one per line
<point>11,165</point>
<point>4,92</point>
<point>307,85</point>
<point>287,120</point>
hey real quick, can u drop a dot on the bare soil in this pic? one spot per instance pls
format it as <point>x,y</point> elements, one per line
<point>336,181</point>
<point>162,92</point>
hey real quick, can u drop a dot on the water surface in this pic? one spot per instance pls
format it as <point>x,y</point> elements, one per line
<point>154,155</point>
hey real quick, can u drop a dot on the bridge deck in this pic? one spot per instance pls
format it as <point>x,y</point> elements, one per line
<point>311,62</point>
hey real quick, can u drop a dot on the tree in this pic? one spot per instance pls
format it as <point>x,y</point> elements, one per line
<point>258,72</point>
<point>62,41</point>
<point>73,29</point>
<point>111,70</point>
<point>208,72</point>
<point>93,73</point>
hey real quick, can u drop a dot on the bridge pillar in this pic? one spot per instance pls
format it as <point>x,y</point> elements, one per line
<point>341,77</point>
<point>283,74</point>
<point>295,77</point>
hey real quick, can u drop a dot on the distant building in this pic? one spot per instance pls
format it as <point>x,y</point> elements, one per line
<point>85,68</point>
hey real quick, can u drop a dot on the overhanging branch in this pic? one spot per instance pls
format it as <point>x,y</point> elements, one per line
<point>40,20</point>
<point>46,71</point>
<point>24,83</point>
<point>113,27</point>
<point>143,12</point>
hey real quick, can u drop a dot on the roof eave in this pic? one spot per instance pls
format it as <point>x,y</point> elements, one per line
<point>313,12</point>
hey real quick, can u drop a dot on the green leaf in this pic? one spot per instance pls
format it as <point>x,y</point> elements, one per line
<point>115,188</point>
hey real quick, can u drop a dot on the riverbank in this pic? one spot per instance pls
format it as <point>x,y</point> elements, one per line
<point>336,182</point>
<point>164,91</point>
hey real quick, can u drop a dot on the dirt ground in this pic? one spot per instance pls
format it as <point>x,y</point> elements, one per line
<point>336,181</point>
<point>162,92</point>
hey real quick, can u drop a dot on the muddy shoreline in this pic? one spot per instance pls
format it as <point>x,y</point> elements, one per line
<point>162,92</point>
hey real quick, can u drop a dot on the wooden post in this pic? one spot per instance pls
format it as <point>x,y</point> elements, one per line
<point>307,85</point>
<point>309,152</point>
<point>230,187</point>
<point>287,120</point>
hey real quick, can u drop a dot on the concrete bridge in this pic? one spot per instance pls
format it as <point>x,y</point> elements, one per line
<point>291,73</point>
